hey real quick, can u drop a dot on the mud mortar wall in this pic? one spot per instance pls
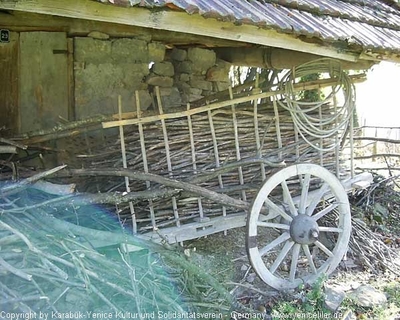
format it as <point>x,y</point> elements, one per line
<point>106,68</point>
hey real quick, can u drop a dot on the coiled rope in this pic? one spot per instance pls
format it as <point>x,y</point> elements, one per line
<point>304,113</point>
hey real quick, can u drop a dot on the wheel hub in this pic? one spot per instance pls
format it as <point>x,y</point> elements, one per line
<point>304,229</point>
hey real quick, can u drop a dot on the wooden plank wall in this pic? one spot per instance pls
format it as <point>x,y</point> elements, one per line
<point>9,114</point>
<point>43,85</point>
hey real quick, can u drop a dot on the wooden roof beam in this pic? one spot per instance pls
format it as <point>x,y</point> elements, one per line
<point>173,21</point>
<point>279,58</point>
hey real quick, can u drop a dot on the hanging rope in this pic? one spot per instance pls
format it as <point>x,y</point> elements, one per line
<point>305,114</point>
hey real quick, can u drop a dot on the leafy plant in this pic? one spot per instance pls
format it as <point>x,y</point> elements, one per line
<point>309,301</point>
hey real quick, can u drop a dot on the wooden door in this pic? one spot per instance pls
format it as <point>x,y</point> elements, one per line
<point>43,83</point>
<point>9,115</point>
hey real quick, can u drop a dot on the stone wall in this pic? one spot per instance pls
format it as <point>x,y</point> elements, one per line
<point>105,68</point>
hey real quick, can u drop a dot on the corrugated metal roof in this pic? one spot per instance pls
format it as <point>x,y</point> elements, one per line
<point>370,24</point>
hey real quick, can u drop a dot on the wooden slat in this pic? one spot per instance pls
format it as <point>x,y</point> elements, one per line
<point>43,80</point>
<point>193,151</point>
<point>173,21</point>
<point>181,114</point>
<point>9,85</point>
<point>144,158</point>
<point>216,154</point>
<point>21,21</point>
<point>257,132</point>
<point>71,79</point>
<point>167,153</point>
<point>196,230</point>
<point>237,146</point>
<point>277,126</point>
<point>125,166</point>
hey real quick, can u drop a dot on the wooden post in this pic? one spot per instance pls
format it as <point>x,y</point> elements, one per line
<point>125,164</point>
<point>257,132</point>
<point>144,158</point>
<point>167,153</point>
<point>237,146</point>
<point>194,166</point>
<point>216,155</point>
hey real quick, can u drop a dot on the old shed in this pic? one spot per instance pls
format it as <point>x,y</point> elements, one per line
<point>132,104</point>
<point>71,59</point>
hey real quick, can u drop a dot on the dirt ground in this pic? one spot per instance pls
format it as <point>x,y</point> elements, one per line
<point>225,257</point>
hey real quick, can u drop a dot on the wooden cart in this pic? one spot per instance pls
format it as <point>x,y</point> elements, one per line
<point>268,154</point>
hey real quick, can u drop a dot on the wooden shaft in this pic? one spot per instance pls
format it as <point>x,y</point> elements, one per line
<point>237,146</point>
<point>193,153</point>
<point>216,154</point>
<point>167,153</point>
<point>144,157</point>
<point>125,165</point>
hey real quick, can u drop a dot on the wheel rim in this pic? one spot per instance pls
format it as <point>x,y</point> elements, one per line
<point>302,248</point>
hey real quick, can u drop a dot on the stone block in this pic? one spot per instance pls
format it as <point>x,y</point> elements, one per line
<point>170,97</point>
<point>133,74</point>
<point>206,93</point>
<point>368,296</point>
<point>195,91</point>
<point>200,83</point>
<point>203,59</point>
<point>156,51</point>
<point>178,54</point>
<point>129,50</point>
<point>184,67</point>
<point>94,51</point>
<point>161,81</point>
<point>185,77</point>
<point>144,98</point>
<point>221,85</point>
<point>190,98</point>
<point>183,86</point>
<point>334,296</point>
<point>163,69</point>
<point>219,72</point>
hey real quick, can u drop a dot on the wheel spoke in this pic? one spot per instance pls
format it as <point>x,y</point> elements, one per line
<point>282,238</point>
<point>317,197</point>
<point>324,249</point>
<point>306,250</point>
<point>287,197</point>
<point>330,229</point>
<point>325,211</point>
<point>271,215</point>
<point>273,225</point>
<point>278,209</point>
<point>305,185</point>
<point>288,245</point>
<point>295,259</point>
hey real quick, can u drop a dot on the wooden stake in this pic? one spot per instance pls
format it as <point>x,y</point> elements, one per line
<point>237,147</point>
<point>167,153</point>
<point>193,150</point>
<point>216,154</point>
<point>277,126</point>
<point>257,132</point>
<point>125,165</point>
<point>144,158</point>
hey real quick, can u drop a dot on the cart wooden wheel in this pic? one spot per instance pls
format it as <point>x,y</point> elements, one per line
<point>310,227</point>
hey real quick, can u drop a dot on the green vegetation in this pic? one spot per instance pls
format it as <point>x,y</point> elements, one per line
<point>309,301</point>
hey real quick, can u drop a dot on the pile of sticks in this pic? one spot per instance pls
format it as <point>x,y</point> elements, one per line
<point>59,261</point>
<point>225,147</point>
<point>229,150</point>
